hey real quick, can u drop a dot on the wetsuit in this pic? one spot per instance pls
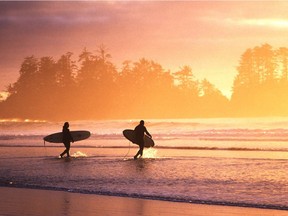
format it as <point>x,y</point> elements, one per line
<point>139,136</point>
<point>67,138</point>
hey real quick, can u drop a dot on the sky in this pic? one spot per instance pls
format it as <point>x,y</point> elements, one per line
<point>208,36</point>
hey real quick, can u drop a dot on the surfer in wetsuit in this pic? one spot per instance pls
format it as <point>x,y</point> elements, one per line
<point>139,135</point>
<point>67,138</point>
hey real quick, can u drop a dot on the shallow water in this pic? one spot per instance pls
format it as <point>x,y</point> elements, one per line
<point>182,167</point>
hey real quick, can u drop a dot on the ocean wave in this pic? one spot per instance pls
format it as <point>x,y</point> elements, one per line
<point>203,148</point>
<point>201,129</point>
<point>161,138</point>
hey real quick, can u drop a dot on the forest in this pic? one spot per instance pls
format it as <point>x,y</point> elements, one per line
<point>92,87</point>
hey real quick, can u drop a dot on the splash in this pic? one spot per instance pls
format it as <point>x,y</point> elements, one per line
<point>79,154</point>
<point>150,153</point>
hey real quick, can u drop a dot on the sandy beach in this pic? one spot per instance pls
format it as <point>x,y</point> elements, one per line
<point>18,201</point>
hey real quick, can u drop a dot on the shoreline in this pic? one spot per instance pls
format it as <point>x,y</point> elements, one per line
<point>151,198</point>
<point>27,201</point>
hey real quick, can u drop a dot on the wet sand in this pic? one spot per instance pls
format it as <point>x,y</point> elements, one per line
<point>18,201</point>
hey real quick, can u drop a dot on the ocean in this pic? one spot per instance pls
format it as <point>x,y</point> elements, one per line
<point>221,161</point>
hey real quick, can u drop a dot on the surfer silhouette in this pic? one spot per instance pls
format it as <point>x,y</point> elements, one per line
<point>67,138</point>
<point>139,136</point>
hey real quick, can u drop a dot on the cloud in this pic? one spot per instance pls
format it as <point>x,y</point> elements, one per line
<point>274,23</point>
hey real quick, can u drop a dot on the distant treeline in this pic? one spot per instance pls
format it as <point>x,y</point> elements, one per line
<point>261,85</point>
<point>93,88</point>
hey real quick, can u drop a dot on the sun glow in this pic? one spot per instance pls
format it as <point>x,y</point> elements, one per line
<point>166,62</point>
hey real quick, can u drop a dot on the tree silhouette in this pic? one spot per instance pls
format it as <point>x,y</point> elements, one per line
<point>145,88</point>
<point>282,63</point>
<point>186,80</point>
<point>66,71</point>
<point>92,88</point>
<point>259,87</point>
<point>96,82</point>
<point>213,102</point>
<point>25,91</point>
<point>26,81</point>
<point>187,96</point>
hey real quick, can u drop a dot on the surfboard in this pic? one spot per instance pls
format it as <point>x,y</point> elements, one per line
<point>130,135</point>
<point>77,136</point>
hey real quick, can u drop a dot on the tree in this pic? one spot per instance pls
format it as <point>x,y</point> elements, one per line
<point>187,92</point>
<point>213,102</point>
<point>146,89</point>
<point>66,71</point>
<point>96,81</point>
<point>186,80</point>
<point>282,63</point>
<point>256,89</point>
<point>26,81</point>
<point>265,63</point>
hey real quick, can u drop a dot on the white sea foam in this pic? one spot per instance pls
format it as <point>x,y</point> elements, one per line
<point>78,154</point>
<point>150,153</point>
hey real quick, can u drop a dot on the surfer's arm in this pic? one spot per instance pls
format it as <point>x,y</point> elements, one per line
<point>148,133</point>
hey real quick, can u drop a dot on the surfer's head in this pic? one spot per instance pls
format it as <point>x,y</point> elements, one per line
<point>66,125</point>
<point>142,122</point>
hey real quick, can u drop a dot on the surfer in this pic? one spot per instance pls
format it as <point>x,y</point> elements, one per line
<point>67,138</point>
<point>139,133</point>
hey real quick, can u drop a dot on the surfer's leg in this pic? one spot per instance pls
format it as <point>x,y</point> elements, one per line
<point>68,149</point>
<point>141,149</point>
<point>63,153</point>
<point>140,152</point>
<point>68,152</point>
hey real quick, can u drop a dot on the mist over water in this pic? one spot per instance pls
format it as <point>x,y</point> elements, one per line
<point>236,134</point>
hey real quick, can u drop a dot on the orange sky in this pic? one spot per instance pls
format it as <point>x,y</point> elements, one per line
<point>209,36</point>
